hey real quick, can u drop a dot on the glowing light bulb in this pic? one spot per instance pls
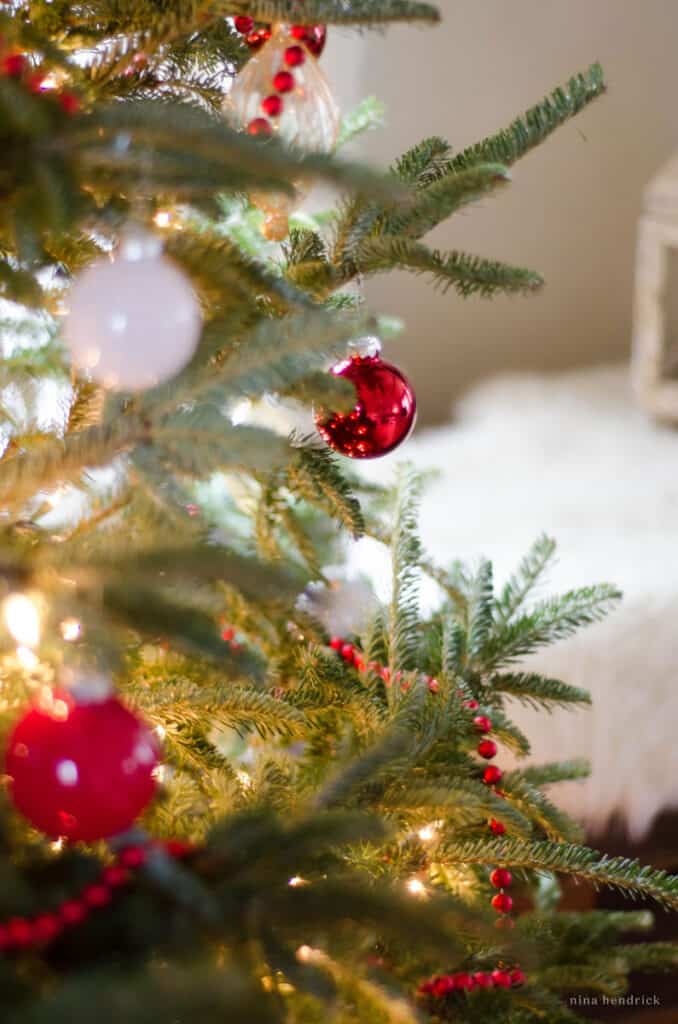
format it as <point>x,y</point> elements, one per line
<point>415,887</point>
<point>70,629</point>
<point>244,779</point>
<point>22,619</point>
<point>27,658</point>
<point>305,953</point>
<point>428,833</point>
<point>297,881</point>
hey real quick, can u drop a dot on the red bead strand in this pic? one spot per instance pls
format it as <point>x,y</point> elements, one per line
<point>21,933</point>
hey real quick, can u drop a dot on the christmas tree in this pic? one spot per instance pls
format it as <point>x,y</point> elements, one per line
<point>215,809</point>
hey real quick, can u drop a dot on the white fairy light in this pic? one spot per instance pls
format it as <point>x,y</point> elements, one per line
<point>415,887</point>
<point>245,779</point>
<point>27,658</point>
<point>162,219</point>
<point>297,881</point>
<point>22,619</point>
<point>70,629</point>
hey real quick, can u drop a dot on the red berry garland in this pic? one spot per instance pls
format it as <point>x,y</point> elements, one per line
<point>500,878</point>
<point>18,67</point>
<point>21,933</point>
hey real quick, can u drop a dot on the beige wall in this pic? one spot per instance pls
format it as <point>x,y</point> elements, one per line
<point>572,208</point>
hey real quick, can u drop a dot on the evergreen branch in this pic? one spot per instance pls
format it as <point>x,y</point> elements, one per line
<point>556,771</point>
<point>362,13</point>
<point>403,642</point>
<point>22,476</point>
<point>551,620</point>
<point>155,616</point>
<point>627,876</point>
<point>192,154</point>
<point>535,805</point>
<point>529,131</point>
<point>367,116</point>
<point>529,572</point>
<point>416,216</point>
<point>480,607</point>
<point>315,475</point>
<point>469,275</point>
<point>539,691</point>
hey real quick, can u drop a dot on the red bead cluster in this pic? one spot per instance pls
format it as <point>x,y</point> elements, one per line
<point>492,775</point>
<point>313,38</point>
<point>352,656</point>
<point>501,878</point>
<point>22,933</point>
<point>443,985</point>
<point>15,65</point>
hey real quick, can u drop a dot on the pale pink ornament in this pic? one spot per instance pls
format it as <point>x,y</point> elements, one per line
<point>133,318</point>
<point>283,88</point>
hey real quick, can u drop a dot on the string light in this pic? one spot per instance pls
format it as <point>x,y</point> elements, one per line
<point>27,658</point>
<point>297,881</point>
<point>415,887</point>
<point>428,833</point>
<point>22,619</point>
<point>162,219</point>
<point>70,630</point>
<point>244,779</point>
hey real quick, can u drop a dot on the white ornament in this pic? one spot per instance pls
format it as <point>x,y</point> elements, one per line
<point>309,120</point>
<point>134,320</point>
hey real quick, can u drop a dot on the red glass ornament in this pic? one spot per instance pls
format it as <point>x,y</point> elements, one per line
<point>472,705</point>
<point>260,127</point>
<point>464,982</point>
<point>502,979</point>
<point>283,81</point>
<point>83,771</point>
<point>518,977</point>
<point>115,876</point>
<point>492,775</point>
<point>313,37</point>
<point>272,105</point>
<point>487,749</point>
<point>295,56</point>
<point>347,652</point>
<point>483,980</point>
<point>336,643</point>
<point>482,723</point>
<point>498,828</point>
<point>243,24</point>
<point>383,416</point>
<point>502,903</point>
<point>501,878</point>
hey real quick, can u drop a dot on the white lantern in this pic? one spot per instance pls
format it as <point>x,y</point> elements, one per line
<point>655,329</point>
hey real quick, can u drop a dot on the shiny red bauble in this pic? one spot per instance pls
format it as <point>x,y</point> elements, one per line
<point>383,416</point>
<point>81,771</point>
<point>487,749</point>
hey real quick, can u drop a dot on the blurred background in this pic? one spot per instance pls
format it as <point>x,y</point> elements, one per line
<point>572,209</point>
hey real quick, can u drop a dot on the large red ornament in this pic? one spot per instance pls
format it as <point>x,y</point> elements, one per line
<point>312,36</point>
<point>82,771</point>
<point>383,416</point>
